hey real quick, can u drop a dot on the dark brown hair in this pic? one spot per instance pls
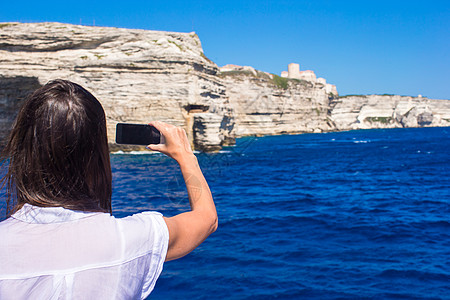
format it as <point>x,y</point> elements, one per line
<point>57,152</point>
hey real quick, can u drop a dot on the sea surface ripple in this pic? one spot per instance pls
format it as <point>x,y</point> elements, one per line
<point>349,215</point>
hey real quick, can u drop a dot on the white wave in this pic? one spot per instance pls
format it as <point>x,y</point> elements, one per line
<point>120,152</point>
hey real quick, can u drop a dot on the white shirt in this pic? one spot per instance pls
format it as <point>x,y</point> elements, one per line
<point>56,253</point>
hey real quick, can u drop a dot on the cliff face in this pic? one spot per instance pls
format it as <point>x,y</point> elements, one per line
<point>141,75</point>
<point>137,75</point>
<point>265,104</point>
<point>13,91</point>
<point>388,111</point>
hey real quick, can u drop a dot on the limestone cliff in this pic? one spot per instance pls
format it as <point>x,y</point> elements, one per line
<point>266,104</point>
<point>141,75</point>
<point>388,111</point>
<point>138,75</point>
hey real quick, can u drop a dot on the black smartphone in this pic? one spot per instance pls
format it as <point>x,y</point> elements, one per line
<point>137,134</point>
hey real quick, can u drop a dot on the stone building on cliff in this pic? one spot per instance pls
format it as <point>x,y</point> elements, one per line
<point>308,75</point>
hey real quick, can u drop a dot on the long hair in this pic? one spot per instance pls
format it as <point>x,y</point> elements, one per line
<point>57,152</point>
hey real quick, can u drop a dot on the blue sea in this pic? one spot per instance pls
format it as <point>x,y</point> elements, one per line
<point>348,215</point>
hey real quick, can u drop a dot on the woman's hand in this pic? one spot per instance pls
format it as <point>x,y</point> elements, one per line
<point>176,141</point>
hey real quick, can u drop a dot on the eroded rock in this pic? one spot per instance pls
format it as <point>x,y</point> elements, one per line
<point>142,75</point>
<point>137,75</point>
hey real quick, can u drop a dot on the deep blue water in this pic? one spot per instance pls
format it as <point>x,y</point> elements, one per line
<point>349,215</point>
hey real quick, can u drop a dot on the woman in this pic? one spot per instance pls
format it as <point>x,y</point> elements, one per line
<point>61,241</point>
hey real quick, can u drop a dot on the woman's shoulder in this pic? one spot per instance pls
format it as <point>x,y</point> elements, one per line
<point>145,230</point>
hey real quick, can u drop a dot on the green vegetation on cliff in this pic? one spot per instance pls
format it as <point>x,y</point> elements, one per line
<point>204,56</point>
<point>2,25</point>
<point>280,82</point>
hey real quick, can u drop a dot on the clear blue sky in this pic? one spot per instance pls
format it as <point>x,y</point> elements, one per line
<point>395,47</point>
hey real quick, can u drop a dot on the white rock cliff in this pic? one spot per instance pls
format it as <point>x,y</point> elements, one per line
<point>141,75</point>
<point>266,104</point>
<point>138,75</point>
<point>388,111</point>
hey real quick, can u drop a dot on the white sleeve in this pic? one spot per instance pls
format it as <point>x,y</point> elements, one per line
<point>146,236</point>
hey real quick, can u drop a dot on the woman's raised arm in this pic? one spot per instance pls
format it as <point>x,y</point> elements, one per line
<point>189,229</point>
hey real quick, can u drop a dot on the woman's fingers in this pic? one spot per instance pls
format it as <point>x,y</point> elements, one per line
<point>176,140</point>
<point>162,127</point>
<point>183,137</point>
<point>156,147</point>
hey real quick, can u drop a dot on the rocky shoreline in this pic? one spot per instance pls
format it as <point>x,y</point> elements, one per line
<point>142,75</point>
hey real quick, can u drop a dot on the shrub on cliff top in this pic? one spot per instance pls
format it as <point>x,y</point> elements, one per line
<point>236,73</point>
<point>280,82</point>
<point>204,57</point>
<point>2,25</point>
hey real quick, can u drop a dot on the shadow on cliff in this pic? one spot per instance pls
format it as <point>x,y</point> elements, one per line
<point>13,92</point>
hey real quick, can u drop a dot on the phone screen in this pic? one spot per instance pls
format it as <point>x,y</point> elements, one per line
<point>137,134</point>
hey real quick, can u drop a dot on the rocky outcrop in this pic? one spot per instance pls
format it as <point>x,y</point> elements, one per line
<point>138,75</point>
<point>388,111</point>
<point>266,104</point>
<point>207,131</point>
<point>141,75</point>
